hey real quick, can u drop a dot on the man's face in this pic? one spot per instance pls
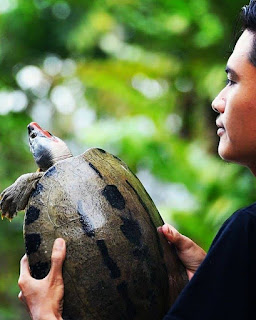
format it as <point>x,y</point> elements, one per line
<point>236,104</point>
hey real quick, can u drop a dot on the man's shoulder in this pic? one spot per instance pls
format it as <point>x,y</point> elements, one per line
<point>238,225</point>
<point>244,213</point>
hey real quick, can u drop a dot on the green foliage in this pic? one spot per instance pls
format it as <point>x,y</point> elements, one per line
<point>134,77</point>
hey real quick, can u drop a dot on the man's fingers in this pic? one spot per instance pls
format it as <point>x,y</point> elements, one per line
<point>57,259</point>
<point>23,300</point>
<point>24,273</point>
<point>20,296</point>
<point>181,242</point>
<point>24,266</point>
<point>170,233</point>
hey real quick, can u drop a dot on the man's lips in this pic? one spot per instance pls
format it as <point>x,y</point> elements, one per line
<point>221,128</point>
<point>220,132</point>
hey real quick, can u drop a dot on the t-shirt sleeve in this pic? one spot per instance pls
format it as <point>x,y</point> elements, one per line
<point>223,286</point>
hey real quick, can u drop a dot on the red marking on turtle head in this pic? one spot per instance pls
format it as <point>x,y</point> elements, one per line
<point>35,126</point>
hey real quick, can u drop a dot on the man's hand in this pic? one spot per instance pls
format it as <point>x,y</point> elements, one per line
<point>188,251</point>
<point>44,298</point>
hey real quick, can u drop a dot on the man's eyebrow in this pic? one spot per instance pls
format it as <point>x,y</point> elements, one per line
<point>231,72</point>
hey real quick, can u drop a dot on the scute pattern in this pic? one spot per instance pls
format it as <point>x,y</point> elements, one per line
<point>32,215</point>
<point>114,197</point>
<point>115,266</point>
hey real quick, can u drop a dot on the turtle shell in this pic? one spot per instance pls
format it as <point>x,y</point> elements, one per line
<point>115,265</point>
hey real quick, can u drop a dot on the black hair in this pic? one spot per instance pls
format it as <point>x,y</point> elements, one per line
<point>248,19</point>
<point>249,16</point>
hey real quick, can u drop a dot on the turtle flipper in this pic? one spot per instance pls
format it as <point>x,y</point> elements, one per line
<point>15,197</point>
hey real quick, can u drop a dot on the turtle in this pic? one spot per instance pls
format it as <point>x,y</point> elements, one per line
<point>117,265</point>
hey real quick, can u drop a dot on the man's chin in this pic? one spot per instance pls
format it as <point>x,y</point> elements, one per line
<point>225,154</point>
<point>230,157</point>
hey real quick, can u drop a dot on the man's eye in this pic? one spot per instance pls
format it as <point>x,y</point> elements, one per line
<point>230,82</point>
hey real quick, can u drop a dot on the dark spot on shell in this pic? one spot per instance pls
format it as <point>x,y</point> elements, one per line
<point>101,150</point>
<point>50,172</point>
<point>141,253</point>
<point>38,189</point>
<point>95,169</point>
<point>114,197</point>
<point>131,230</point>
<point>108,261</point>
<point>149,215</point>
<point>117,158</point>
<point>153,275</point>
<point>32,242</point>
<point>32,215</point>
<point>100,285</point>
<point>87,225</point>
<point>151,297</point>
<point>40,270</point>
<point>122,289</point>
<point>138,196</point>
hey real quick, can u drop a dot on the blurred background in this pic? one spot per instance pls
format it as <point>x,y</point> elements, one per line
<point>134,77</point>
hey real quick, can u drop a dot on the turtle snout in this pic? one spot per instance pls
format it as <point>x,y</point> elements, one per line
<point>31,131</point>
<point>29,128</point>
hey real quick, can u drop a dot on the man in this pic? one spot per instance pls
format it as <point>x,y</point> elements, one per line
<point>222,283</point>
<point>43,298</point>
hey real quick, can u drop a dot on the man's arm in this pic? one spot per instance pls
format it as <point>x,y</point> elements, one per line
<point>44,298</point>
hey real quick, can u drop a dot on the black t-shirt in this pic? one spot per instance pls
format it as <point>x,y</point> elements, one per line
<point>224,286</point>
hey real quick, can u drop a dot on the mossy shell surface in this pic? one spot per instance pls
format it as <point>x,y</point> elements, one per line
<point>116,266</point>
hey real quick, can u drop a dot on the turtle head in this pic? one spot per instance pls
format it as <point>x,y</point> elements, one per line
<point>45,147</point>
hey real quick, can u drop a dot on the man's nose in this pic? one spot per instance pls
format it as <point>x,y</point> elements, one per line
<point>218,104</point>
